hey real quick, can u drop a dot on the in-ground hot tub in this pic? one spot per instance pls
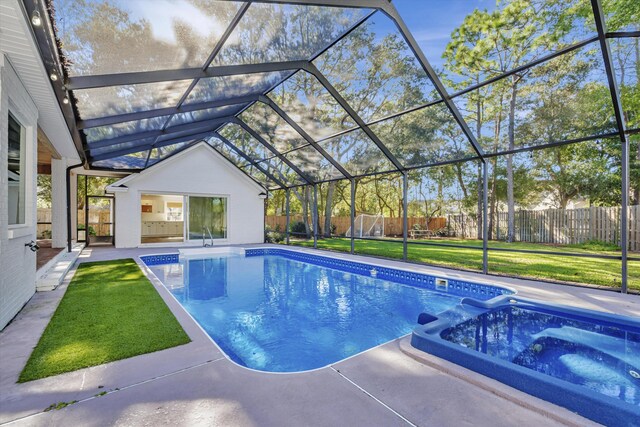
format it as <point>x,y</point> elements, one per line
<point>586,361</point>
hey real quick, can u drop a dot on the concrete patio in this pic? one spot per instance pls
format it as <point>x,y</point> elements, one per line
<point>195,384</point>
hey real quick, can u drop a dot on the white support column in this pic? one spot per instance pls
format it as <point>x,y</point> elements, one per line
<point>58,203</point>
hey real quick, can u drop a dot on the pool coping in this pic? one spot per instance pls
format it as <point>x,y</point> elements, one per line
<point>588,403</point>
<point>504,391</point>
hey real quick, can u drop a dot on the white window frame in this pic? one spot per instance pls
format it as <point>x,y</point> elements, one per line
<point>185,214</point>
<point>26,169</point>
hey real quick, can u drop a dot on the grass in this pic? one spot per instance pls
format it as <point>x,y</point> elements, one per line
<point>109,312</point>
<point>591,271</point>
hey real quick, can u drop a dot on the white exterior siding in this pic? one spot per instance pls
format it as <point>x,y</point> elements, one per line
<point>17,262</point>
<point>200,171</point>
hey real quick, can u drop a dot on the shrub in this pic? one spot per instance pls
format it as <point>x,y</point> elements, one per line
<point>273,237</point>
<point>298,227</point>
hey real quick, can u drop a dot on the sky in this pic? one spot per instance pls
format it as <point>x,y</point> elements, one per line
<point>432,21</point>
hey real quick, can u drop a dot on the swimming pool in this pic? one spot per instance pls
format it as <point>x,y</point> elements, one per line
<point>584,360</point>
<point>286,311</point>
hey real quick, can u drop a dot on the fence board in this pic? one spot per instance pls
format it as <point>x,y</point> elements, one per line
<point>569,226</point>
<point>392,226</point>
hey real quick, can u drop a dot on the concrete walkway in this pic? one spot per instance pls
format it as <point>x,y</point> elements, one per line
<point>195,384</point>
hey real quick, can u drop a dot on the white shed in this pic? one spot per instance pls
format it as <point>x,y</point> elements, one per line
<point>192,196</point>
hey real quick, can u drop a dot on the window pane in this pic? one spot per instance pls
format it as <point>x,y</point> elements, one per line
<point>378,212</point>
<point>467,41</point>
<point>282,171</point>
<point>264,120</point>
<point>226,87</point>
<point>97,185</point>
<point>185,134</point>
<point>426,136</point>
<point>283,32</point>
<point>309,104</point>
<point>128,161</point>
<point>562,99</point>
<point>116,36</point>
<point>160,153</point>
<point>357,153</point>
<point>207,217</point>
<point>259,176</point>
<point>114,100</point>
<point>16,173</point>
<point>227,151</point>
<point>125,128</point>
<point>123,146</point>
<point>621,15</point>
<point>202,115</point>
<point>313,164</point>
<point>626,63</point>
<point>245,142</point>
<point>376,71</point>
<point>445,207</point>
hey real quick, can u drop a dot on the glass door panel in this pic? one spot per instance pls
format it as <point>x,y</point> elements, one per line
<point>100,220</point>
<point>207,218</point>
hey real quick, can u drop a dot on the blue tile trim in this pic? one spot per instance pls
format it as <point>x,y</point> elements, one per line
<point>160,259</point>
<point>456,287</point>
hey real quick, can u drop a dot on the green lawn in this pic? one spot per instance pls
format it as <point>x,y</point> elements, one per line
<point>110,311</point>
<point>591,271</point>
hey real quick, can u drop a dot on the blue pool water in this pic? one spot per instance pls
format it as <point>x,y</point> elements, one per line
<point>601,357</point>
<point>275,313</point>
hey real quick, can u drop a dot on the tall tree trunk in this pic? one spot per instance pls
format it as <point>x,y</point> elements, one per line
<point>480,201</point>
<point>636,186</point>
<point>512,126</point>
<point>634,183</point>
<point>305,211</point>
<point>492,193</point>
<point>328,209</point>
<point>492,200</point>
<point>480,180</point>
<point>458,169</point>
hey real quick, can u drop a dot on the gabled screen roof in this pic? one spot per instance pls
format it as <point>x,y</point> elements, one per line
<point>313,91</point>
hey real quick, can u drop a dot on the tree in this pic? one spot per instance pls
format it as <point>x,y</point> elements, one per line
<point>491,43</point>
<point>44,191</point>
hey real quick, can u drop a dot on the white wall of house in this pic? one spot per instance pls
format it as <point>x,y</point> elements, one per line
<point>198,171</point>
<point>17,262</point>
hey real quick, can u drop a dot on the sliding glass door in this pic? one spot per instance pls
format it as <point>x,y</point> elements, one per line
<point>207,217</point>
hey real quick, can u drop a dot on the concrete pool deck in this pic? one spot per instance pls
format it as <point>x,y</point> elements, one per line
<point>195,384</point>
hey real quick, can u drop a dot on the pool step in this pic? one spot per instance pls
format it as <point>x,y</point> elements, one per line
<point>618,348</point>
<point>195,253</point>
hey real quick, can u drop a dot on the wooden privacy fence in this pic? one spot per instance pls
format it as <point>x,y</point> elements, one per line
<point>392,226</point>
<point>560,226</point>
<point>98,219</point>
<point>43,227</point>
